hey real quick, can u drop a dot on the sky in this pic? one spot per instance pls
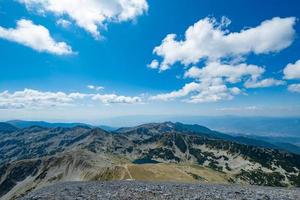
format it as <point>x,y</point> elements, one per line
<point>64,60</point>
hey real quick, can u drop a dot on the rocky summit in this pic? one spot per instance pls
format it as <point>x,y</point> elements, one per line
<point>35,157</point>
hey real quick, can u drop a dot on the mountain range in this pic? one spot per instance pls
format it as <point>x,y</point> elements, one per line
<point>288,143</point>
<point>37,156</point>
<point>230,124</point>
<point>27,124</point>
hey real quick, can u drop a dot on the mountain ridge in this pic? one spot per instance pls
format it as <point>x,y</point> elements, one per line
<point>27,124</point>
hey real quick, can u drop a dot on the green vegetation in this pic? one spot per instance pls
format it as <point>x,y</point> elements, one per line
<point>213,165</point>
<point>180,143</point>
<point>295,180</point>
<point>196,177</point>
<point>144,161</point>
<point>162,153</point>
<point>198,155</point>
<point>258,177</point>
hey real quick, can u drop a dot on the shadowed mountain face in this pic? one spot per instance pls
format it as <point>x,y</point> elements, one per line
<point>38,156</point>
<point>7,128</point>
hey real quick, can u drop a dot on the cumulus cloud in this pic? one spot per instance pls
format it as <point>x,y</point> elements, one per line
<point>91,14</point>
<point>221,56</point>
<point>208,90</point>
<point>208,39</point>
<point>64,23</point>
<point>112,98</point>
<point>294,88</point>
<point>186,90</point>
<point>34,36</point>
<point>214,93</point>
<point>292,71</point>
<point>211,82</point>
<point>94,87</point>
<point>231,73</point>
<point>154,64</point>
<point>269,82</point>
<point>34,99</point>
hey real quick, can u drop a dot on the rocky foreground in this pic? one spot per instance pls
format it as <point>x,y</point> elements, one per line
<point>142,190</point>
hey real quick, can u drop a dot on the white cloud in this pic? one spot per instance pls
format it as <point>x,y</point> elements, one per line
<point>208,90</point>
<point>239,109</point>
<point>269,82</point>
<point>292,71</point>
<point>294,88</point>
<point>216,81</point>
<point>78,95</point>
<point>91,14</point>
<point>34,99</point>
<point>224,55</point>
<point>34,36</point>
<point>186,90</point>
<point>154,64</point>
<point>211,82</point>
<point>112,98</point>
<point>94,87</point>
<point>208,39</point>
<point>231,73</point>
<point>214,93</point>
<point>64,23</point>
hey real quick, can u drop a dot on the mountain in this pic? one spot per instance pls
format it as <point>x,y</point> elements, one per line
<point>291,144</point>
<point>7,128</point>
<point>204,131</point>
<point>27,124</point>
<point>252,125</point>
<point>34,157</point>
<point>107,128</point>
<point>263,126</point>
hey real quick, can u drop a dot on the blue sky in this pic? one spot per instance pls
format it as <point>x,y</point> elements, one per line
<point>116,56</point>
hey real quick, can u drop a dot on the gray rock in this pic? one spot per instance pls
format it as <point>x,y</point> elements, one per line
<point>122,190</point>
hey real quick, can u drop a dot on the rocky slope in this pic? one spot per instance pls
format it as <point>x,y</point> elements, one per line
<point>37,156</point>
<point>118,190</point>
